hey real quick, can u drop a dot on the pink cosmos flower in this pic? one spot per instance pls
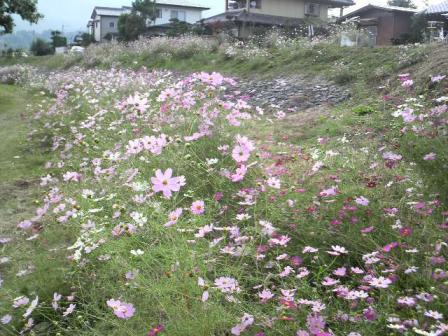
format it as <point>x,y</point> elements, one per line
<point>240,154</point>
<point>407,83</point>
<point>246,321</point>
<point>380,282</point>
<point>274,182</point>
<point>227,285</point>
<point>173,217</point>
<point>122,310</point>
<point>362,201</point>
<point>265,295</point>
<point>6,319</point>
<point>25,225</point>
<point>430,157</point>
<point>328,192</point>
<point>239,174</point>
<point>436,79</point>
<point>163,182</point>
<point>69,310</point>
<point>198,207</point>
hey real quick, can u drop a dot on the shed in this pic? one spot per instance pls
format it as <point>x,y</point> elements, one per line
<point>385,24</point>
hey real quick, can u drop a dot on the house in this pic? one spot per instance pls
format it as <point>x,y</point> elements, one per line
<point>245,16</point>
<point>384,24</point>
<point>437,16</point>
<point>103,24</point>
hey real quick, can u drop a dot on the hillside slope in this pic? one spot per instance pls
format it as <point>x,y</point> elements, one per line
<point>171,205</point>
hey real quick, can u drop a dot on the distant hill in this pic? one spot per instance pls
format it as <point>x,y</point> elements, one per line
<point>22,39</point>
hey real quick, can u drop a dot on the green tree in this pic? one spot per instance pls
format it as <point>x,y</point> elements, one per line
<point>178,28</point>
<point>26,9</point>
<point>402,3</point>
<point>146,9</point>
<point>57,40</point>
<point>131,26</point>
<point>39,47</point>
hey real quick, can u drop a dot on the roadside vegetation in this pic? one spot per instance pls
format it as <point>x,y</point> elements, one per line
<point>169,205</point>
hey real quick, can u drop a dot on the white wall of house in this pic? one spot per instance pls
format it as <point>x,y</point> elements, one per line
<point>109,24</point>
<point>166,13</point>
<point>288,8</point>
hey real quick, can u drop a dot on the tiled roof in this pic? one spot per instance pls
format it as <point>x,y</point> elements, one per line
<point>437,9</point>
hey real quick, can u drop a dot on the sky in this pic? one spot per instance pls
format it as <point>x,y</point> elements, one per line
<point>72,15</point>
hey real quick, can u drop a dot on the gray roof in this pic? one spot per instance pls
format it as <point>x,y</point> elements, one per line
<point>113,11</point>
<point>385,8</point>
<point>437,9</point>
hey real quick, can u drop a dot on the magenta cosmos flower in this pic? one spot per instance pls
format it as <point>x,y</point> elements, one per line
<point>165,183</point>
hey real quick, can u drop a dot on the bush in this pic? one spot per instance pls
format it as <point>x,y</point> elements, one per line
<point>41,48</point>
<point>363,110</point>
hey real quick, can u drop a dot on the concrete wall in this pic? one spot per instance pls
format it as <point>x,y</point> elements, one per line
<point>288,8</point>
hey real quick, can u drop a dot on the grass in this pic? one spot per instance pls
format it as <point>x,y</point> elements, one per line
<point>347,140</point>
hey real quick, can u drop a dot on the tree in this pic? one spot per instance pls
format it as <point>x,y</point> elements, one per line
<point>26,9</point>
<point>178,28</point>
<point>402,3</point>
<point>146,9</point>
<point>130,26</point>
<point>57,39</point>
<point>83,39</point>
<point>39,47</point>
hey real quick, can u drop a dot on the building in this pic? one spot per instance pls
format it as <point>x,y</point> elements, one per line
<point>384,24</point>
<point>245,16</point>
<point>103,24</point>
<point>437,16</point>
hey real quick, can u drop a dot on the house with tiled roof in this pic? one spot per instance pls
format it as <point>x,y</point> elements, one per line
<point>103,23</point>
<point>247,15</point>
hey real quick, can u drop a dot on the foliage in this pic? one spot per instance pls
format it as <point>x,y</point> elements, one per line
<point>363,110</point>
<point>57,39</point>
<point>178,28</point>
<point>84,39</point>
<point>131,26</point>
<point>146,8</point>
<point>402,3</point>
<point>40,47</point>
<point>26,9</point>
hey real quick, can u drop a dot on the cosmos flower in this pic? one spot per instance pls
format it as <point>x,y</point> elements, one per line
<point>122,310</point>
<point>165,183</point>
<point>198,207</point>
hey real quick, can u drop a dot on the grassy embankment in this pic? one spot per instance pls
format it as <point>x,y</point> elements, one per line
<point>352,135</point>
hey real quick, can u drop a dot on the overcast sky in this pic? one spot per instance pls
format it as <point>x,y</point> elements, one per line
<point>72,15</point>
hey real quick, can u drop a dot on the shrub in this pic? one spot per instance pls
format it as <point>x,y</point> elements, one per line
<point>41,48</point>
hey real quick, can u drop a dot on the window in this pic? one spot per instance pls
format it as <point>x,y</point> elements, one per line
<point>96,24</point>
<point>179,15</point>
<point>112,25</point>
<point>312,9</point>
<point>158,13</point>
<point>255,4</point>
